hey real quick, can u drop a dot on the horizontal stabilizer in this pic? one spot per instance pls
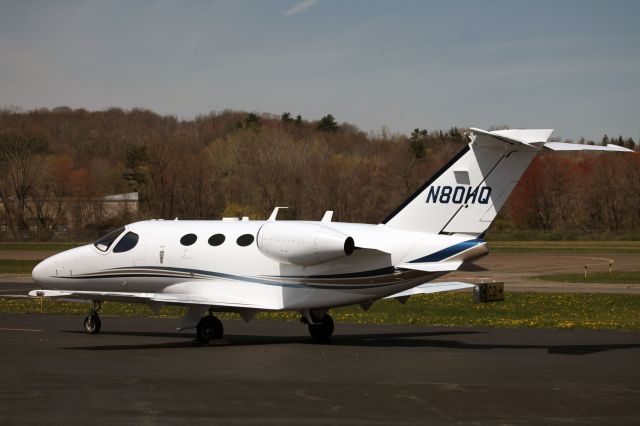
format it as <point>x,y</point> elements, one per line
<point>429,288</point>
<point>563,146</point>
<point>516,136</point>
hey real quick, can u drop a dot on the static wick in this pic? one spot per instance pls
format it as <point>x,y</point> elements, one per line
<point>610,267</point>
<point>585,271</point>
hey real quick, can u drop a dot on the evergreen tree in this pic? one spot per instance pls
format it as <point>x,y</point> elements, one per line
<point>252,121</point>
<point>418,143</point>
<point>286,117</point>
<point>328,124</point>
<point>136,169</point>
<point>630,144</point>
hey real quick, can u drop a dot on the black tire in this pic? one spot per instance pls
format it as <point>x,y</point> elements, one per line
<point>92,324</point>
<point>209,328</point>
<point>322,330</point>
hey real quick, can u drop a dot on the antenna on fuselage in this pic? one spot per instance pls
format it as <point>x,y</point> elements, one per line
<point>328,215</point>
<point>272,218</point>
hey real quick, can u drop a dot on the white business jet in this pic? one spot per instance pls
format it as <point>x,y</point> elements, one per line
<point>247,266</point>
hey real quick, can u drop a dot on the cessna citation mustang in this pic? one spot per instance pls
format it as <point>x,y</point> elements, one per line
<point>310,267</point>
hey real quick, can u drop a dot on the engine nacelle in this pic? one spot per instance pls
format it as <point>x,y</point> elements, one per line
<point>303,244</point>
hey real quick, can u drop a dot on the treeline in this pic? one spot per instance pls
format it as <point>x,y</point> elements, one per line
<point>578,194</point>
<point>58,164</point>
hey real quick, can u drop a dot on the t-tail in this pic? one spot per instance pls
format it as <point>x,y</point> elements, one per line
<point>466,195</point>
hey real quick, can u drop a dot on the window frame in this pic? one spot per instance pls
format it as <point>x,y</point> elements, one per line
<point>119,231</point>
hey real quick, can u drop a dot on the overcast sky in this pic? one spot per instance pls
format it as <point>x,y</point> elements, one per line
<point>569,65</point>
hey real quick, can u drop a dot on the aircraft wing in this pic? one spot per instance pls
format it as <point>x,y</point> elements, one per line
<point>432,266</point>
<point>219,300</point>
<point>429,288</point>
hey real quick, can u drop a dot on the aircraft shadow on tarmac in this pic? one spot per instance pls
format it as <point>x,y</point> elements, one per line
<point>375,340</point>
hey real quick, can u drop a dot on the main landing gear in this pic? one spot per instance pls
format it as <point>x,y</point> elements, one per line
<point>209,328</point>
<point>92,323</point>
<point>320,329</point>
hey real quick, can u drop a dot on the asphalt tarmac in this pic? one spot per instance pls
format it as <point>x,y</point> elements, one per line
<point>139,371</point>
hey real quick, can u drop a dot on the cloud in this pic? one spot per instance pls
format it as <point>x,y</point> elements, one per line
<point>299,7</point>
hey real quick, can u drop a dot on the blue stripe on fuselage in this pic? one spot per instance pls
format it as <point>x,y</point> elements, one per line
<point>449,251</point>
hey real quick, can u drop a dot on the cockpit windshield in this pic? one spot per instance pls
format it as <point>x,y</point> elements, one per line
<point>105,242</point>
<point>126,243</point>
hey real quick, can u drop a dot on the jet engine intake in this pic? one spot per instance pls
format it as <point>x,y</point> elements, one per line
<point>303,244</point>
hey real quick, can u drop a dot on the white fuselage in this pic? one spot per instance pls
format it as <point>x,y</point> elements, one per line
<point>160,263</point>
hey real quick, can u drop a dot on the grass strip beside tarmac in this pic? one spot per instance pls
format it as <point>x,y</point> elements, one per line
<point>579,247</point>
<point>519,310</point>
<point>615,277</point>
<point>17,266</point>
<point>38,246</point>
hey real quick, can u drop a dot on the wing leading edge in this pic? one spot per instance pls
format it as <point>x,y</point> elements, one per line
<point>211,299</point>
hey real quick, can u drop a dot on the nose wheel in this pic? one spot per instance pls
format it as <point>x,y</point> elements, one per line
<point>209,328</point>
<point>92,323</point>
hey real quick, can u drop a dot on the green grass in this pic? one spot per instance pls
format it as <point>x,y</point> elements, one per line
<point>527,310</point>
<point>618,247</point>
<point>15,267</point>
<point>38,246</point>
<point>616,277</point>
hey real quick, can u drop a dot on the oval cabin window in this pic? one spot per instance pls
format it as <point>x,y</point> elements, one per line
<point>244,240</point>
<point>216,240</point>
<point>188,240</point>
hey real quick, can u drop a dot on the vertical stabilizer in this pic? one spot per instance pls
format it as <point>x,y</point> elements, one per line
<point>467,193</point>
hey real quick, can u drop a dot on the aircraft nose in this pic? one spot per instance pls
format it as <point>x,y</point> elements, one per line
<point>42,271</point>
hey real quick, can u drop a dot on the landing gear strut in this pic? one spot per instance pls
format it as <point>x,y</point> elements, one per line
<point>92,323</point>
<point>322,329</point>
<point>209,328</point>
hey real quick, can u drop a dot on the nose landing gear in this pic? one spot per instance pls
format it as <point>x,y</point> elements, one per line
<point>92,323</point>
